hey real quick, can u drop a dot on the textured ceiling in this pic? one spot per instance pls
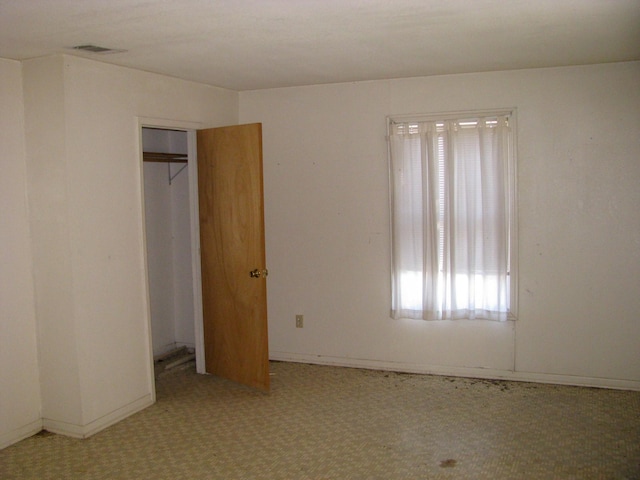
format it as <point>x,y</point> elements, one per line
<point>255,44</point>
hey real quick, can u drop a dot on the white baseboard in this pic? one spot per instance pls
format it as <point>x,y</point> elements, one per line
<point>190,346</point>
<point>471,372</point>
<point>91,428</point>
<point>21,433</point>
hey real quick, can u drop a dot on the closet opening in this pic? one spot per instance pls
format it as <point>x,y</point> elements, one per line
<point>169,231</point>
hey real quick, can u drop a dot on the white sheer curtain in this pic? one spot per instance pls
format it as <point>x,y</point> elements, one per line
<point>450,218</point>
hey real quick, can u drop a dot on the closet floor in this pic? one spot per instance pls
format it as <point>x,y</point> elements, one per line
<point>172,359</point>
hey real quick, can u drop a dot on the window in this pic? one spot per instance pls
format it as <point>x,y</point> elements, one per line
<point>453,216</point>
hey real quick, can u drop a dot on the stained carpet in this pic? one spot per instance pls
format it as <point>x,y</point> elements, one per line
<point>325,423</point>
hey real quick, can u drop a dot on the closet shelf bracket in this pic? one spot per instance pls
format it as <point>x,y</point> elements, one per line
<point>171,177</point>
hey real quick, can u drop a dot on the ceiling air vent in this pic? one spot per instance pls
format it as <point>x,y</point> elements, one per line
<point>96,49</point>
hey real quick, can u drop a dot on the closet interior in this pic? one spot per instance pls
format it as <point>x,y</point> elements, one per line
<point>168,241</point>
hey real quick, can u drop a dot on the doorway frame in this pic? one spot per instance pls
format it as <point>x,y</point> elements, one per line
<point>194,221</point>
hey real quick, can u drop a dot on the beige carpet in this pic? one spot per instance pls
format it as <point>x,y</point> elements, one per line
<point>337,423</point>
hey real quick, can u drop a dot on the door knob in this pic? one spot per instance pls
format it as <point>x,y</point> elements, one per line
<point>258,273</point>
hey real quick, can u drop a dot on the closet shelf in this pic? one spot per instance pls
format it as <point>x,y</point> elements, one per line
<point>164,157</point>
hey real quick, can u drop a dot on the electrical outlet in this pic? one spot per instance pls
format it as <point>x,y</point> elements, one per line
<point>299,321</point>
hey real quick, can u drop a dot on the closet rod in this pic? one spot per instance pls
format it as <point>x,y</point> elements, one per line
<point>164,157</point>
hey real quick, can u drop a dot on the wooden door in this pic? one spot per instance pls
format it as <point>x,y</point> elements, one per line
<point>234,290</point>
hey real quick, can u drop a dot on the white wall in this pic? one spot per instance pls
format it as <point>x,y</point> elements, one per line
<point>92,186</point>
<point>182,267</point>
<point>168,234</point>
<point>327,230</point>
<point>327,225</point>
<point>47,173</point>
<point>19,384</point>
<point>157,200</point>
